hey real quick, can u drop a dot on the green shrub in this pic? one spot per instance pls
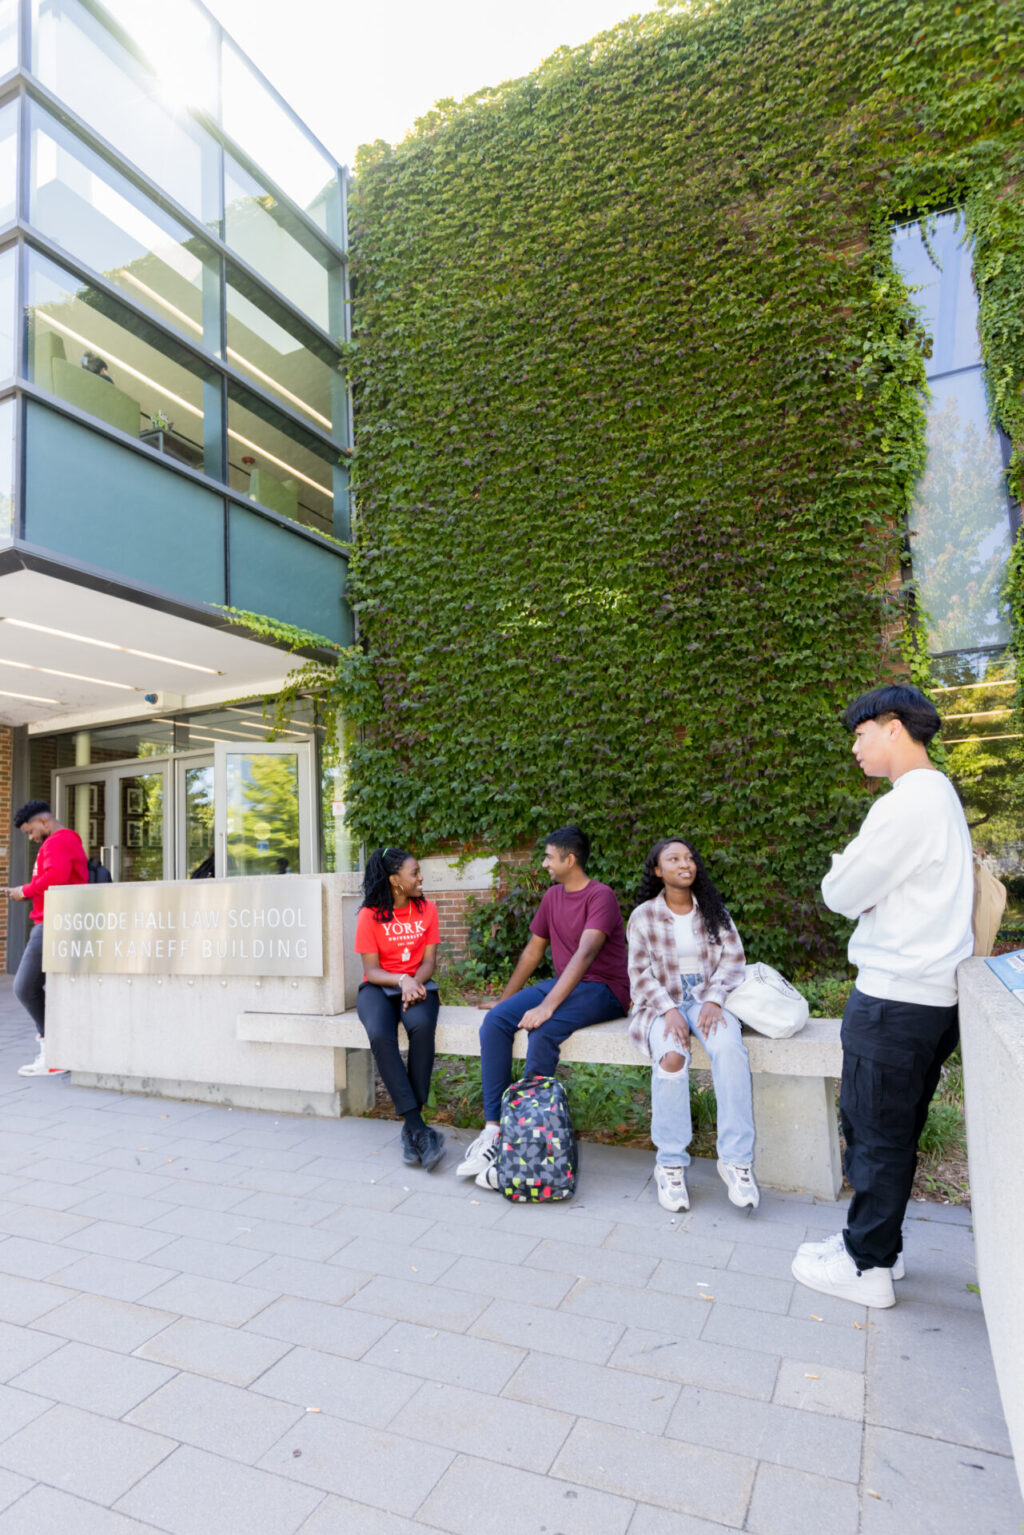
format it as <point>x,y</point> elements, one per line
<point>499,925</point>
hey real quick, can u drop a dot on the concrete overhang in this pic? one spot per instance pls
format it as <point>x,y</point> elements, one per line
<point>94,655</point>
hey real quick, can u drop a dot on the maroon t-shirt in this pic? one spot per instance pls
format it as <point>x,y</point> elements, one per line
<point>563,916</point>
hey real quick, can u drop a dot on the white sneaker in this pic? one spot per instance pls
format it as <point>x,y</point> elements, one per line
<point>39,1068</point>
<point>835,1273</point>
<point>836,1244</point>
<point>671,1185</point>
<point>487,1178</point>
<point>475,1161</point>
<point>739,1180</point>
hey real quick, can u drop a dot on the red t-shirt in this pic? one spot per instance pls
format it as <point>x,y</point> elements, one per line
<point>399,943</point>
<point>562,918</point>
<point>61,860</point>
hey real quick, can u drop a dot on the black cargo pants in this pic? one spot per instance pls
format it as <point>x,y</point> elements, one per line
<point>892,1056</point>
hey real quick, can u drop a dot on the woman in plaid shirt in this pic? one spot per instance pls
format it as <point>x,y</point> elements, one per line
<point>685,956</point>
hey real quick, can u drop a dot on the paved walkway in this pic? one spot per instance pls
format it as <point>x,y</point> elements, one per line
<point>219,1322</point>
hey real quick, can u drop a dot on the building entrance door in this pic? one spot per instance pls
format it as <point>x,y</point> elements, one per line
<point>120,813</point>
<point>243,810</point>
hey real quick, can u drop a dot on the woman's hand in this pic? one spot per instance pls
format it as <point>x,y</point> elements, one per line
<point>412,991</point>
<point>677,1029</point>
<point>710,1018</point>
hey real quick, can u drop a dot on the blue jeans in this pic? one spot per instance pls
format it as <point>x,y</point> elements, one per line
<point>671,1126</point>
<point>588,1002</point>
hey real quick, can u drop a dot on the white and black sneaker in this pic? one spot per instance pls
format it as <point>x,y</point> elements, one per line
<point>476,1159</point>
<point>487,1178</point>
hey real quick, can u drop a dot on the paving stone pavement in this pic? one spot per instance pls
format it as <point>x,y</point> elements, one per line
<point>219,1322</point>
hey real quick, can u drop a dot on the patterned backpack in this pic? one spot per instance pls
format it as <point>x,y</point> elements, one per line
<point>537,1158</point>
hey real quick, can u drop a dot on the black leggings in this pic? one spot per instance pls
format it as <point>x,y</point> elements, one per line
<point>379,1015</point>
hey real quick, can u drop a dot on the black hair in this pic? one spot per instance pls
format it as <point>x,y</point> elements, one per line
<point>30,809</point>
<point>377,891</point>
<point>712,908</point>
<point>569,839</point>
<point>918,716</point>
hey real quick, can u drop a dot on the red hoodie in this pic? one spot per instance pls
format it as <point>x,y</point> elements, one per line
<point>61,860</point>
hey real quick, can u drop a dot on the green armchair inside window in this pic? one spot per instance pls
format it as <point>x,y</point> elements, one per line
<point>86,391</point>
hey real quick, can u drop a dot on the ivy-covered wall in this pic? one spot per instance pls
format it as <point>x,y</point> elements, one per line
<point>639,406</point>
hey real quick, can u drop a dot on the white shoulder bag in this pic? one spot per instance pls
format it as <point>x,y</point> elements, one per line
<point>764,1000</point>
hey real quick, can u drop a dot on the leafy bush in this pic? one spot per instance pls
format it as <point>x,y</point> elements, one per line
<point>499,926</point>
<point>944,1131</point>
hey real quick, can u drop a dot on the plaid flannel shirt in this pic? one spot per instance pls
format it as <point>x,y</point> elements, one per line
<point>654,980</point>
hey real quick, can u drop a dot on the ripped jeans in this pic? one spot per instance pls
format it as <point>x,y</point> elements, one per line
<point>671,1126</point>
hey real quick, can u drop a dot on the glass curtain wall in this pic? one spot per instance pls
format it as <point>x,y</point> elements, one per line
<point>267,315</point>
<point>961,528</point>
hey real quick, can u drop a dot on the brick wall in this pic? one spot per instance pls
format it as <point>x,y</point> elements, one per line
<point>454,921</point>
<point>6,830</point>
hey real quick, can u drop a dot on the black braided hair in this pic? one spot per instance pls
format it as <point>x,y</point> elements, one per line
<point>712,908</point>
<point>377,891</point>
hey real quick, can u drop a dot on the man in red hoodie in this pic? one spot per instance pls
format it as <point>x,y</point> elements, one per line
<point>61,860</point>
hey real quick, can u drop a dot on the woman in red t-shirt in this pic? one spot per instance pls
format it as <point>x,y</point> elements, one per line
<point>397,935</point>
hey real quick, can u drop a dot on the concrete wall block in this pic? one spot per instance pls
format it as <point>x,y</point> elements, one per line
<point>797,1134</point>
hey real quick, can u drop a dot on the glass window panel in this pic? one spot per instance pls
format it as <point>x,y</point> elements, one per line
<point>934,256</point>
<point>269,347</point>
<point>959,519</point>
<point>8,162</point>
<point>199,812</point>
<point>84,349</point>
<point>8,303</point>
<point>141,844</point>
<point>268,132</point>
<point>80,202</point>
<point>8,35</point>
<point>86,67</point>
<point>7,420</point>
<point>274,462</point>
<point>263,233</point>
<point>180,47</point>
<point>262,813</point>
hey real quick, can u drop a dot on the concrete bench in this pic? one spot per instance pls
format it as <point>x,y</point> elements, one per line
<point>794,1079</point>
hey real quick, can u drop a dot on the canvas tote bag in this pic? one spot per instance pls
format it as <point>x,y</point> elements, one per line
<point>764,1000</point>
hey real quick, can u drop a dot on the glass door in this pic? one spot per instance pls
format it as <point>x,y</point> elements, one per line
<point>196,853</point>
<point>122,817</point>
<point>264,808</point>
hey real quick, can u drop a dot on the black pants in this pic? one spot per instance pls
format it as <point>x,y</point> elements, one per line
<point>30,982</point>
<point>892,1056</point>
<point>379,1015</point>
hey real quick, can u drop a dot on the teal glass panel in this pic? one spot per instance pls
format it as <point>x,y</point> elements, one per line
<point>287,576</point>
<point>8,316</point>
<point>93,501</point>
<point>274,461</point>
<point>267,235</point>
<point>8,162</point>
<point>86,350</point>
<point>81,203</point>
<point>8,36</point>
<point>273,349</point>
<point>86,66</point>
<point>274,139</point>
<point>8,419</point>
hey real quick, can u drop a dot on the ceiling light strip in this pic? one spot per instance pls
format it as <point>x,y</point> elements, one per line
<point>128,650</point>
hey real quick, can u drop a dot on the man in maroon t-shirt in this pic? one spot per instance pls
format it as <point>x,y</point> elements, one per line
<point>61,860</point>
<point>581,920</point>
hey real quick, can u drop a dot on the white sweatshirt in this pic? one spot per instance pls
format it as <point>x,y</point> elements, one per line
<point>909,876</point>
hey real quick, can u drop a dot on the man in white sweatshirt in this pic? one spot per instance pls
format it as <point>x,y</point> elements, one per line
<point>908,877</point>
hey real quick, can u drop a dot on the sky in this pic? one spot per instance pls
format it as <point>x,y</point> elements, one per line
<point>356,73</point>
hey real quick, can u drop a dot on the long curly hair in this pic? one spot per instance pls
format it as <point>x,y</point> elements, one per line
<point>712,908</point>
<point>377,892</point>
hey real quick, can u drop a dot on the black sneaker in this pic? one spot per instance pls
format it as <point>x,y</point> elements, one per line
<point>429,1144</point>
<point>410,1156</point>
